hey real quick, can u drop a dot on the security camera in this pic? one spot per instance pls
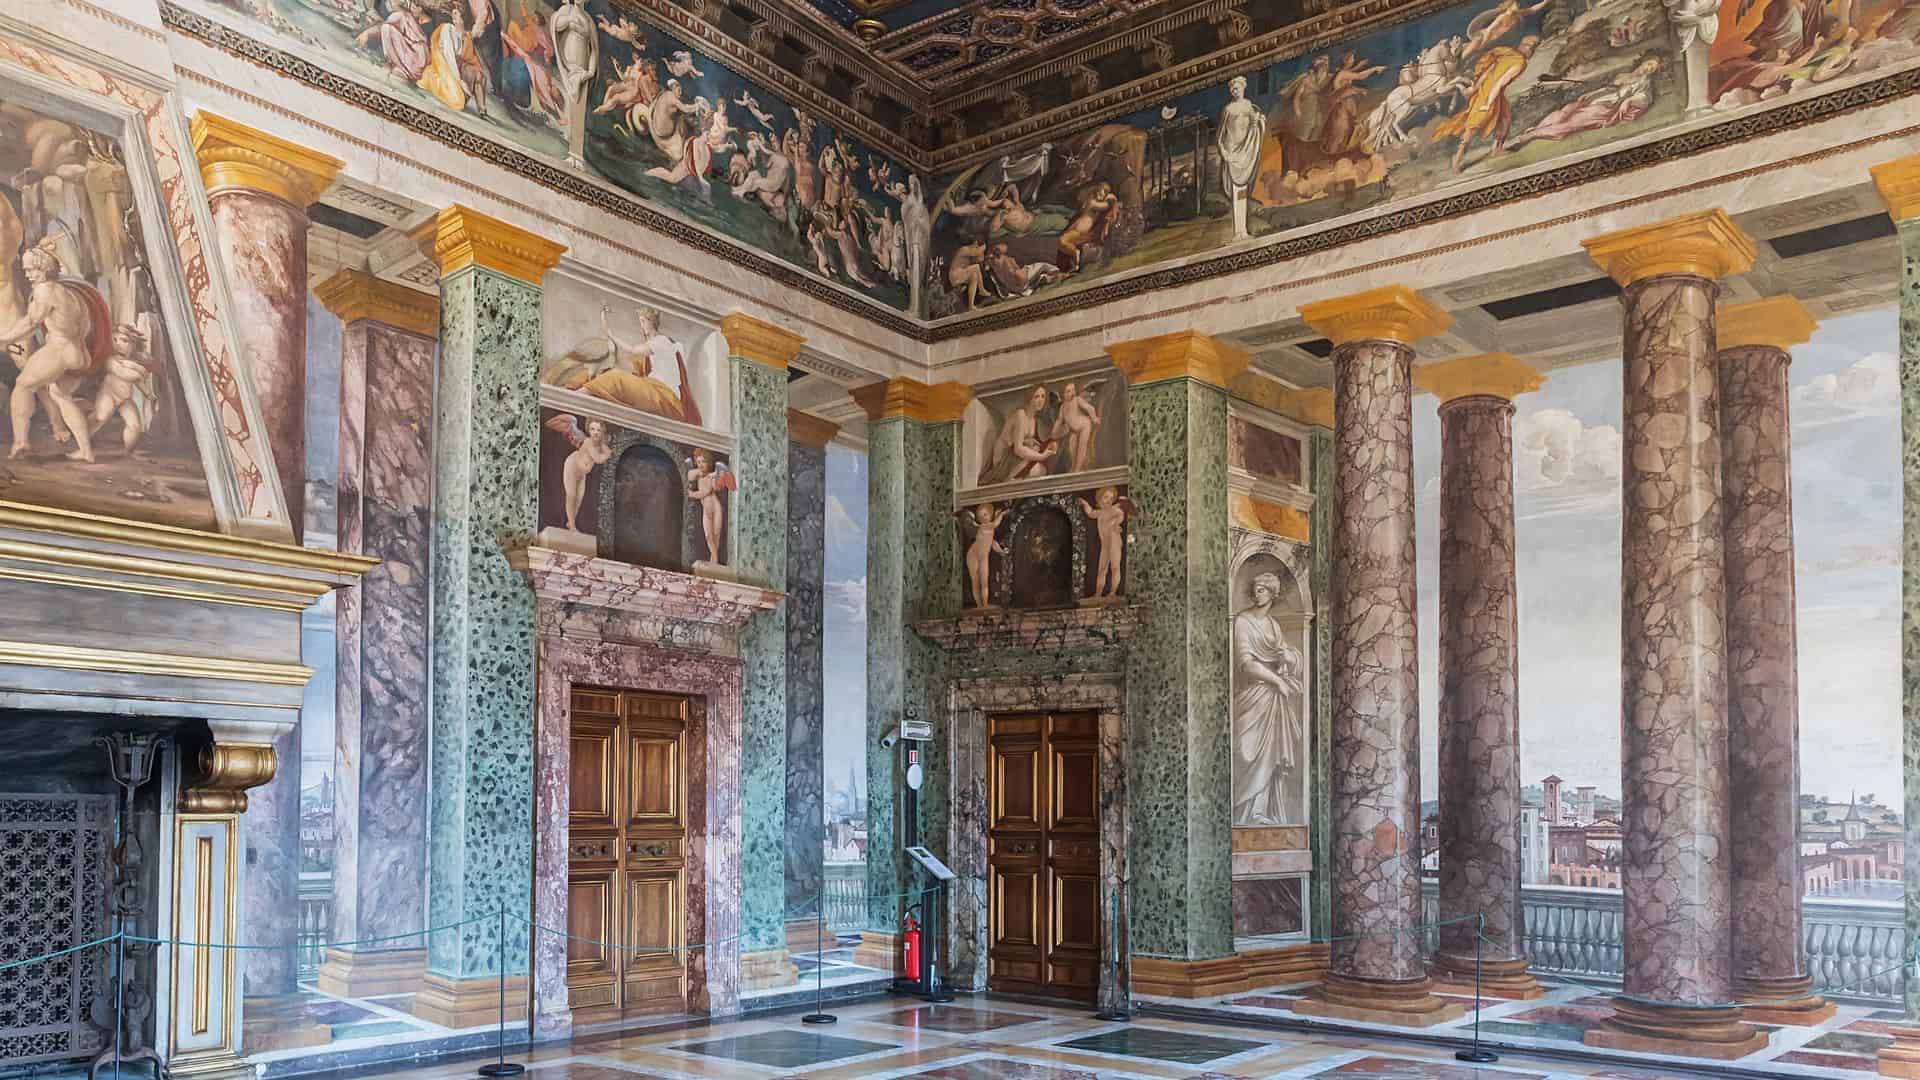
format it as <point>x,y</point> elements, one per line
<point>891,737</point>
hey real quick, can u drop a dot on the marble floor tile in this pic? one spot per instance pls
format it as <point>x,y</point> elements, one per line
<point>783,1049</point>
<point>1178,1046</point>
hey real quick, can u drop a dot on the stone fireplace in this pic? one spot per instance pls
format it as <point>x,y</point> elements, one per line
<point>192,638</point>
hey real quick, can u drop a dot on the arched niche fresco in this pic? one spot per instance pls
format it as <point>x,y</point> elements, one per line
<point>1046,543</point>
<point>643,508</point>
<point>1271,603</point>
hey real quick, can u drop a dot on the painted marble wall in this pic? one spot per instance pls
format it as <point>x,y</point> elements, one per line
<point>1846,490</point>
<point>844,657</point>
<point>1460,97</point>
<point>654,116</point>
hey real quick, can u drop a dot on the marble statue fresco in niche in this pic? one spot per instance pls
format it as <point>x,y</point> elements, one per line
<point>1268,775</point>
<point>102,401</point>
<point>616,493</point>
<point>1464,95</point>
<point>585,84</point>
<point>1044,429</point>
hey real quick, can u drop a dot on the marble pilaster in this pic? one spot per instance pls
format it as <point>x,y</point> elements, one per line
<point>1479,649</point>
<point>1899,185</point>
<point>1676,874</point>
<point>1763,720</point>
<point>485,496</point>
<point>1179,756</point>
<point>913,573</point>
<point>805,841</point>
<point>1377,972</point>
<point>388,337</point>
<point>258,191</point>
<point>757,544</point>
<point>1320,755</point>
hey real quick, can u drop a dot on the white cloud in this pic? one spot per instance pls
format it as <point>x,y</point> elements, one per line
<point>841,528</point>
<point>1562,465</point>
<point>1870,386</point>
<point>849,598</point>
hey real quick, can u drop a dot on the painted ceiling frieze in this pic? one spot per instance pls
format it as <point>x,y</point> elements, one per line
<point>579,94</point>
<point>1456,110</point>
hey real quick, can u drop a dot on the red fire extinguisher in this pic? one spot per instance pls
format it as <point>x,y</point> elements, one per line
<point>910,948</point>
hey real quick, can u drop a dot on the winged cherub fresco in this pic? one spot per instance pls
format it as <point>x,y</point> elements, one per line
<point>1109,512</point>
<point>982,522</point>
<point>591,449</point>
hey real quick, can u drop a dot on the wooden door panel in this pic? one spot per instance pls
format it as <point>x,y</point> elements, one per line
<point>592,968</point>
<point>592,782</point>
<point>654,784</point>
<point>1043,853</point>
<point>656,915</point>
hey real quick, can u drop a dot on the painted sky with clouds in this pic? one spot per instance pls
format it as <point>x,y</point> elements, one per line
<point>1846,491</point>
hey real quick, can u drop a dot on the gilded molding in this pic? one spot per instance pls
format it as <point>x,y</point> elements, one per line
<point>1899,184</point>
<point>1492,374</point>
<point>1780,321</point>
<point>1389,313</point>
<point>125,662</point>
<point>914,400</point>
<point>809,430</point>
<point>353,295</point>
<point>1312,406</point>
<point>1185,354</point>
<point>82,526</point>
<point>762,342</point>
<point>233,155</point>
<point>459,237</point>
<point>1273,519</point>
<point>226,771</point>
<point>1707,244</point>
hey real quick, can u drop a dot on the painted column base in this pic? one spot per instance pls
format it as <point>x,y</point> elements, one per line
<point>809,935</point>
<point>877,949</point>
<point>1159,977</point>
<point>1901,1057</point>
<point>1687,1031</point>
<point>358,973</point>
<point>1405,1002</point>
<point>222,1065</point>
<point>1788,1000</point>
<point>1507,979</point>
<point>279,1022</point>
<point>468,1003</point>
<point>767,969</point>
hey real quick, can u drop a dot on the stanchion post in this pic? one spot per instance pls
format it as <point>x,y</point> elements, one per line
<point>819,1015</point>
<point>500,1066</point>
<point>1477,1055</point>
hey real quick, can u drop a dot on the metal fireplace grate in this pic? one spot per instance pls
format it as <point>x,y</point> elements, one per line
<point>53,851</point>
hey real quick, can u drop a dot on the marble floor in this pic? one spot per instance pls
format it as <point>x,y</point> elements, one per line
<point>991,1039</point>
<point>1840,1048</point>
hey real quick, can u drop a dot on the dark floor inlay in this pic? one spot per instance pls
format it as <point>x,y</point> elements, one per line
<point>1003,1069</point>
<point>785,1049</point>
<point>1386,1068</point>
<point>955,1018</point>
<point>1184,1047</point>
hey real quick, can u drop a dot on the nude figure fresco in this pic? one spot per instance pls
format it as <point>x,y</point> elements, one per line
<point>1046,428</point>
<point>617,493</point>
<point>586,83</point>
<point>1462,95</point>
<point>96,415</point>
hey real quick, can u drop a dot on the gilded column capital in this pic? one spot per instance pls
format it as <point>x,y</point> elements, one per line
<point>1780,321</point>
<point>1389,313</point>
<point>1899,184</point>
<point>353,295</point>
<point>231,155</point>
<point>1707,244</point>
<point>1312,406</point>
<point>762,342</point>
<point>226,771</point>
<point>1499,374</point>
<point>809,430</point>
<point>913,400</point>
<point>1184,354</point>
<point>459,237</point>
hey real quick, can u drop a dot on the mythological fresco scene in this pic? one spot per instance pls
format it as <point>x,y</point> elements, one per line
<point>959,539</point>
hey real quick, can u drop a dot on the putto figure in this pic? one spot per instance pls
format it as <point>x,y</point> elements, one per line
<point>592,449</point>
<point>706,479</point>
<point>1109,512</point>
<point>984,521</point>
<point>75,338</point>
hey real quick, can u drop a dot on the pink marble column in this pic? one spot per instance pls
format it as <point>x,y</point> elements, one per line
<point>1377,969</point>
<point>258,191</point>
<point>1481,932</point>
<point>1676,873</point>
<point>1763,718</point>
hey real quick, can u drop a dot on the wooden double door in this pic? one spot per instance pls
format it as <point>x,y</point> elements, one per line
<point>1043,854</point>
<point>627,852</point>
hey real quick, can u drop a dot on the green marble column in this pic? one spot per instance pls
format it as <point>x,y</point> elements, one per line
<point>757,549</point>
<point>1320,758</point>
<point>913,573</point>
<point>1178,759</point>
<point>485,500</point>
<point>1899,184</point>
